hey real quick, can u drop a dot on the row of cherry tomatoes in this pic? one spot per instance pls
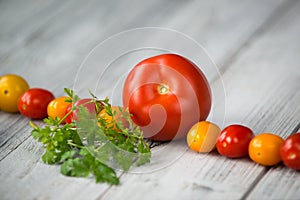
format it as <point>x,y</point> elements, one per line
<point>36,103</point>
<point>234,141</point>
<point>17,96</point>
<point>237,141</point>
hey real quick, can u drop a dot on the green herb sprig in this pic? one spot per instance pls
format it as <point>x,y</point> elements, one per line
<point>83,147</point>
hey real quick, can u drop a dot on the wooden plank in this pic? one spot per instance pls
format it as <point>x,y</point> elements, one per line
<point>277,183</point>
<point>8,130</point>
<point>274,70</point>
<point>62,48</point>
<point>262,92</point>
<point>57,47</point>
<point>42,170</point>
<point>20,19</point>
<point>27,177</point>
<point>62,42</point>
<point>223,26</point>
<point>53,70</point>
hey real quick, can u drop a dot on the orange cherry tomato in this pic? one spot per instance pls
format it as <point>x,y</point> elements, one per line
<point>57,107</point>
<point>114,118</point>
<point>12,87</point>
<point>265,149</point>
<point>202,136</point>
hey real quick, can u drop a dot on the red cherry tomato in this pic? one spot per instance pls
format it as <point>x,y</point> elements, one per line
<point>166,95</point>
<point>290,151</point>
<point>234,140</point>
<point>33,103</point>
<point>86,103</point>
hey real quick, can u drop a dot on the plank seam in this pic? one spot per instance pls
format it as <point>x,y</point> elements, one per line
<point>275,15</point>
<point>263,173</point>
<point>255,182</point>
<point>295,130</point>
<point>14,148</point>
<point>35,31</point>
<point>273,18</point>
<point>107,189</point>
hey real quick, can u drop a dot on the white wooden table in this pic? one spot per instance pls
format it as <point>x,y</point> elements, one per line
<point>255,44</point>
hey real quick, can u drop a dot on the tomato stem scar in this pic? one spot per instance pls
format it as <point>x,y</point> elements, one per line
<point>163,89</point>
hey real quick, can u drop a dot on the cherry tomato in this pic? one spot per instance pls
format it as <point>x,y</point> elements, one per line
<point>265,149</point>
<point>202,136</point>
<point>86,103</point>
<point>57,107</point>
<point>234,140</point>
<point>112,121</point>
<point>12,87</point>
<point>166,95</point>
<point>290,151</point>
<point>33,103</point>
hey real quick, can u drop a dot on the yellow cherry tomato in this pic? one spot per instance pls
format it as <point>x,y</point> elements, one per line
<point>12,86</point>
<point>202,136</point>
<point>57,107</point>
<point>111,121</point>
<point>265,149</point>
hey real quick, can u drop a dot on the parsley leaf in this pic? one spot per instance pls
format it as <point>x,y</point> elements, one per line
<point>85,147</point>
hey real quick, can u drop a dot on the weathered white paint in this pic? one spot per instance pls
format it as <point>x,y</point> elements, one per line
<point>255,44</point>
<point>262,93</point>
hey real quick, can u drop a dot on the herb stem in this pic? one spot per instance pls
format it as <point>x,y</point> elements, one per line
<point>65,116</point>
<point>75,145</point>
<point>33,125</point>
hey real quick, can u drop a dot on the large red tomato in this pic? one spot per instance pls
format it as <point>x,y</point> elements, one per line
<point>166,95</point>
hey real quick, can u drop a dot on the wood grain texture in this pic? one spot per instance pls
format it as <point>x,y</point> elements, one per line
<point>262,93</point>
<point>254,43</point>
<point>27,177</point>
<point>55,71</point>
<point>47,46</point>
